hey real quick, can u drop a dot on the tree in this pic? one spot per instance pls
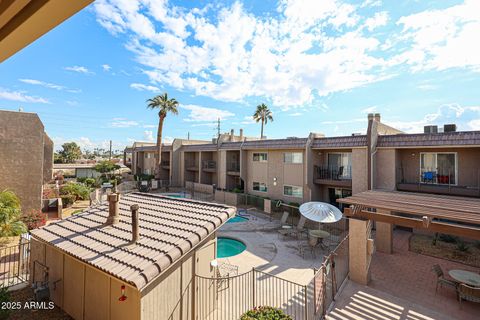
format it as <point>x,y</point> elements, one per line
<point>262,114</point>
<point>70,152</point>
<point>165,106</point>
<point>106,167</point>
<point>10,222</point>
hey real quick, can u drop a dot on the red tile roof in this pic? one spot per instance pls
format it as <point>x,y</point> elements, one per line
<point>340,142</point>
<point>169,228</point>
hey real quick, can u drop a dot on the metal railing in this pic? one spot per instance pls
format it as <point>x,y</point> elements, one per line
<point>209,164</point>
<point>165,163</point>
<point>333,172</point>
<point>14,264</point>
<point>226,298</point>
<point>191,165</point>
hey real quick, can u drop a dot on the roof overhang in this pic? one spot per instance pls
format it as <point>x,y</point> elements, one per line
<point>446,214</point>
<point>24,21</point>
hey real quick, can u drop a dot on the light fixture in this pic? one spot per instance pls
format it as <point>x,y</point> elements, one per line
<point>275,181</point>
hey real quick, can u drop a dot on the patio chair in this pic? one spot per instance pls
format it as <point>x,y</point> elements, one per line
<point>441,278</point>
<point>296,231</point>
<point>304,246</point>
<point>468,293</point>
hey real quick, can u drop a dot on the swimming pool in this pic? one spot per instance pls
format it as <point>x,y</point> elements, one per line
<point>228,247</point>
<point>237,219</point>
<point>175,195</point>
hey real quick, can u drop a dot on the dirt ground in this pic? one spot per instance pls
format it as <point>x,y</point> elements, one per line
<point>25,295</point>
<point>423,244</point>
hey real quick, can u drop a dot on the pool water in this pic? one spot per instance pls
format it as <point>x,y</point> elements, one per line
<point>237,219</point>
<point>175,195</point>
<point>228,247</point>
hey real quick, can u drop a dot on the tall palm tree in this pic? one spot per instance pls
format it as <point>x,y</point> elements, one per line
<point>165,106</point>
<point>262,114</point>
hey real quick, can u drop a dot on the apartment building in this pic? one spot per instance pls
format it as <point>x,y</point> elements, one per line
<point>26,152</point>
<point>319,168</point>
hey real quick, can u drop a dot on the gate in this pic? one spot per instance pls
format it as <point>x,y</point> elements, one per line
<point>14,264</point>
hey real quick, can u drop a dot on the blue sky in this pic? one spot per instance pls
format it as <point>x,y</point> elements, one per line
<point>321,66</point>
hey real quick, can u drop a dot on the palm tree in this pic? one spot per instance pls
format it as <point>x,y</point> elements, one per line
<point>262,114</point>
<point>165,106</point>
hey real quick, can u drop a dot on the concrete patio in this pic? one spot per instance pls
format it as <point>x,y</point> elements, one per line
<point>402,286</point>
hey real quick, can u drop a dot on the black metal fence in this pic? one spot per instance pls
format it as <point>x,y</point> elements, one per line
<point>333,172</point>
<point>14,263</point>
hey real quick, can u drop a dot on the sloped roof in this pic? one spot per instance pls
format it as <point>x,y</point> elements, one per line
<point>200,147</point>
<point>289,143</point>
<point>165,147</point>
<point>340,142</point>
<point>461,138</point>
<point>169,228</point>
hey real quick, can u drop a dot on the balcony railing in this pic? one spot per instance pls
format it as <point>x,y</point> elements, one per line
<point>209,165</point>
<point>333,172</point>
<point>191,165</point>
<point>165,163</point>
<point>233,166</point>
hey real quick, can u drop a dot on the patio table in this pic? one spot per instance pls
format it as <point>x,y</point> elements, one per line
<point>467,277</point>
<point>319,234</point>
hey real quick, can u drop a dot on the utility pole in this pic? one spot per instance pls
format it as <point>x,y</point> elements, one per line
<point>218,128</point>
<point>110,158</point>
<point>188,135</point>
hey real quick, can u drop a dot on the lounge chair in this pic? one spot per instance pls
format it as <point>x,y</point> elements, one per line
<point>441,278</point>
<point>468,293</point>
<point>296,231</point>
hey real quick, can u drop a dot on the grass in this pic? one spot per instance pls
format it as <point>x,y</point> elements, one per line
<point>463,252</point>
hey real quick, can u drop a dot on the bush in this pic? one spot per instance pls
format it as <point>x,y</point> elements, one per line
<point>49,193</point>
<point>34,219</point>
<point>4,298</point>
<point>236,190</point>
<point>10,223</point>
<point>462,246</point>
<point>144,177</point>
<point>265,313</point>
<point>79,190</point>
<point>448,238</point>
<point>9,199</point>
<point>67,200</point>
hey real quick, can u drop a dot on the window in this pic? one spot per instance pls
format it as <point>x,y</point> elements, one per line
<point>340,165</point>
<point>438,167</point>
<point>148,155</point>
<point>260,156</point>
<point>147,171</point>
<point>293,191</point>
<point>293,157</point>
<point>259,186</point>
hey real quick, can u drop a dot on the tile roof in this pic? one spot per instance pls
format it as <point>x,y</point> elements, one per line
<point>165,147</point>
<point>340,142</point>
<point>289,143</point>
<point>169,228</point>
<point>230,145</point>
<point>461,138</point>
<point>200,147</point>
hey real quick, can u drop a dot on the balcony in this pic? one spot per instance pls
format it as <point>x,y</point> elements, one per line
<point>339,176</point>
<point>209,166</point>
<point>437,182</point>
<point>165,164</point>
<point>191,165</point>
<point>233,168</point>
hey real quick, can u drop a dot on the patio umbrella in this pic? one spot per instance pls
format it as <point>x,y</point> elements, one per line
<point>320,212</point>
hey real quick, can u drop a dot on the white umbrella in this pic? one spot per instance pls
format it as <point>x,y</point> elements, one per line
<point>320,212</point>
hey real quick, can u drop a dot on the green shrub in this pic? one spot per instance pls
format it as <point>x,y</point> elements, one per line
<point>462,246</point>
<point>237,190</point>
<point>79,190</point>
<point>144,177</point>
<point>4,298</point>
<point>265,313</point>
<point>448,238</point>
<point>9,199</point>
<point>67,200</point>
<point>34,219</point>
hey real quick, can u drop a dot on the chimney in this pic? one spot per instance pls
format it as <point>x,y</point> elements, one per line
<point>113,216</point>
<point>241,134</point>
<point>232,132</point>
<point>377,117</point>
<point>370,116</point>
<point>135,227</point>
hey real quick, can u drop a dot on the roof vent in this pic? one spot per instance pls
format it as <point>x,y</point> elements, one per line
<point>430,129</point>
<point>135,228</point>
<point>113,216</point>
<point>449,127</point>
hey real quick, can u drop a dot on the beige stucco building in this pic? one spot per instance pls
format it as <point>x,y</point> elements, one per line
<point>116,261</point>
<point>26,154</point>
<point>319,168</point>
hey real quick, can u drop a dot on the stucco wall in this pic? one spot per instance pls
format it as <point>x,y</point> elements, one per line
<point>265,172</point>
<point>359,170</point>
<point>47,158</point>
<point>22,157</point>
<point>385,169</point>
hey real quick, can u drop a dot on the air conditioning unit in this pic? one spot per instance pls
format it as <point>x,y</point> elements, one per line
<point>430,129</point>
<point>449,127</point>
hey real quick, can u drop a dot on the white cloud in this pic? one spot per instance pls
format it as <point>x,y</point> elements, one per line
<point>86,143</point>
<point>199,113</point>
<point>48,85</point>
<point>20,96</point>
<point>336,122</point>
<point>146,126</point>
<point>378,20</point>
<point>442,39</point>
<point>295,114</point>
<point>148,135</point>
<point>106,67</point>
<point>465,117</point>
<point>123,123</point>
<point>143,87</point>
<point>369,109</point>
<point>79,69</point>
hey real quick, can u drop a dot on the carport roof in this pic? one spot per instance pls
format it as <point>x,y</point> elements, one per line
<point>169,228</point>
